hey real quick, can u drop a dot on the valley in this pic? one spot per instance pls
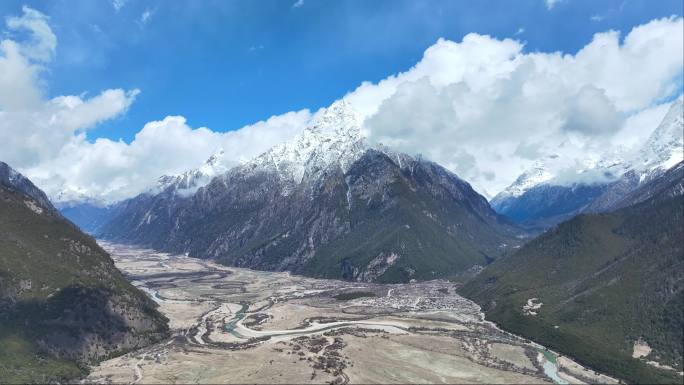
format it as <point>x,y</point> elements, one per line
<point>235,325</point>
<point>342,192</point>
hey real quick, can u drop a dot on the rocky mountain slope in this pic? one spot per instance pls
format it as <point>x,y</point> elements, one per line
<point>63,303</point>
<point>669,184</point>
<point>326,204</point>
<point>598,284</point>
<point>11,179</point>
<point>90,214</point>
<point>538,199</point>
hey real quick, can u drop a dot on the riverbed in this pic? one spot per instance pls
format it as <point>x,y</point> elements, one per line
<point>233,325</point>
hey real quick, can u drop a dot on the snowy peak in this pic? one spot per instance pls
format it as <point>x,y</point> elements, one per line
<point>665,147</point>
<point>536,175</point>
<point>190,181</point>
<point>338,120</point>
<point>214,165</point>
<point>214,161</point>
<point>332,139</point>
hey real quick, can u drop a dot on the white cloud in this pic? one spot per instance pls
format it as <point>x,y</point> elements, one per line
<point>551,3</point>
<point>520,31</point>
<point>34,129</point>
<point>298,4</point>
<point>113,170</point>
<point>590,112</point>
<point>42,43</point>
<point>47,138</point>
<point>487,109</point>
<point>482,107</point>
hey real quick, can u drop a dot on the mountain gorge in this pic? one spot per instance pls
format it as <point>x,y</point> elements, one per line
<point>63,303</point>
<point>325,204</point>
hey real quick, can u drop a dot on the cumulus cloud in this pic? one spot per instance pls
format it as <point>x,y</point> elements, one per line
<point>487,109</point>
<point>483,107</point>
<point>37,133</point>
<point>47,139</point>
<point>112,170</point>
<point>34,129</point>
<point>590,112</point>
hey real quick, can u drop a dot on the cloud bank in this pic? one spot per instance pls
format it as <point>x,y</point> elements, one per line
<point>487,109</point>
<point>483,107</point>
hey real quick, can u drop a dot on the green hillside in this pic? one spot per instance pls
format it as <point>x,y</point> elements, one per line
<point>605,280</point>
<point>63,304</point>
<point>438,245</point>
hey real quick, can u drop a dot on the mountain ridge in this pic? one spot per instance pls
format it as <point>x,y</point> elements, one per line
<point>315,183</point>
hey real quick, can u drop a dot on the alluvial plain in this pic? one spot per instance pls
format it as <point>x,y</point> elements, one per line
<point>232,325</point>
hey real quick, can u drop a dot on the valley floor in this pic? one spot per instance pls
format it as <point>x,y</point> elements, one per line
<point>235,325</point>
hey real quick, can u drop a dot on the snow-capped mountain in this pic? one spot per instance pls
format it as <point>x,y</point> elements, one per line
<point>540,198</point>
<point>189,182</point>
<point>663,151</point>
<point>333,139</point>
<point>538,174</point>
<point>665,147</point>
<point>326,204</point>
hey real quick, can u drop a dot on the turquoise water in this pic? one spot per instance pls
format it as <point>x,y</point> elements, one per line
<point>551,368</point>
<point>230,326</point>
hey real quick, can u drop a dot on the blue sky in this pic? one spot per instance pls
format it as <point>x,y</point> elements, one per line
<point>99,98</point>
<point>225,64</point>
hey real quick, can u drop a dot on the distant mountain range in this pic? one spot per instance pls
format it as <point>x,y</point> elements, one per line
<point>63,303</point>
<point>324,204</point>
<point>539,199</point>
<point>297,205</point>
<point>597,284</point>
